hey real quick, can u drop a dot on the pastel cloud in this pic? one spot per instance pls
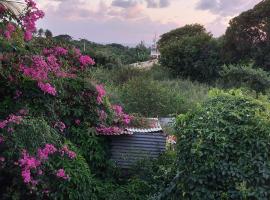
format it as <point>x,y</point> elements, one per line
<point>226,7</point>
<point>149,3</point>
<point>129,21</point>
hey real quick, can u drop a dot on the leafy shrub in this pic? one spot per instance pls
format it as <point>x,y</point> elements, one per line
<point>239,76</point>
<point>223,150</point>
<point>196,57</point>
<point>149,98</point>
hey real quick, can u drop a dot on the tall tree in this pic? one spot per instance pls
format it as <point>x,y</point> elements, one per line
<point>191,52</point>
<point>48,34</point>
<point>248,36</point>
<point>179,33</point>
<point>40,32</point>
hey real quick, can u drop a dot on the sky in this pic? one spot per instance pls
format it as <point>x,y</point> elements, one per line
<point>132,21</point>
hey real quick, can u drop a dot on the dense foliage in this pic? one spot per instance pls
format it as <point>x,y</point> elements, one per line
<point>245,76</point>
<point>151,92</point>
<point>50,116</point>
<point>248,36</point>
<point>109,55</point>
<point>193,54</point>
<point>223,149</point>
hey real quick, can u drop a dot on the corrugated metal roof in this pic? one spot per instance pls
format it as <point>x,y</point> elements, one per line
<point>154,127</point>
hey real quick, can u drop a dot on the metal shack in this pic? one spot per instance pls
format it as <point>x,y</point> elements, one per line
<point>135,144</point>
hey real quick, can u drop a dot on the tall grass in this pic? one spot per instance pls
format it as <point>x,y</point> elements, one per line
<point>150,92</point>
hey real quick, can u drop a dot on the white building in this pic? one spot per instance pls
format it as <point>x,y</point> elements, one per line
<point>155,54</point>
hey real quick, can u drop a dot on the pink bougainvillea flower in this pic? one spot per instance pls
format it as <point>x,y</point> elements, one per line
<point>7,34</point>
<point>15,119</point>
<point>3,124</point>
<point>77,121</point>
<point>77,52</point>
<point>60,125</point>
<point>118,110</point>
<point>69,153</point>
<point>60,51</point>
<point>102,115</point>
<point>108,130</point>
<point>27,36</point>
<point>47,88</point>
<point>2,159</point>
<point>62,174</point>
<point>10,27</point>
<point>10,130</point>
<point>18,93</point>
<point>23,112</point>
<point>30,3</point>
<point>101,93</point>
<point>1,139</point>
<point>48,150</point>
<point>26,175</point>
<point>86,60</point>
<point>127,119</point>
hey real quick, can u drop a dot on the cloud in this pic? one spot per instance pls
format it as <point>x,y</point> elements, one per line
<point>218,26</point>
<point>148,3</point>
<point>124,3</point>
<point>111,30</point>
<point>101,22</point>
<point>226,7</point>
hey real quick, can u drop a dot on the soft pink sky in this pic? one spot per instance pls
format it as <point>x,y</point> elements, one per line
<point>130,21</point>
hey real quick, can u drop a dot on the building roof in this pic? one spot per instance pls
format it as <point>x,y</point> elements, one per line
<point>153,127</point>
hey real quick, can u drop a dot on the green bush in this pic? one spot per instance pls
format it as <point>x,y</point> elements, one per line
<point>196,57</point>
<point>223,150</point>
<point>245,76</point>
<point>81,185</point>
<point>150,98</point>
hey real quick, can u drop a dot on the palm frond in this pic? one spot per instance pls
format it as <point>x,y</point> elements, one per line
<point>13,6</point>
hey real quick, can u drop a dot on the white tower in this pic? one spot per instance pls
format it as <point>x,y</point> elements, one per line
<point>154,49</point>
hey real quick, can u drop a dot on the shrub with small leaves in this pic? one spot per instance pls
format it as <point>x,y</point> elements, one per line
<point>224,149</point>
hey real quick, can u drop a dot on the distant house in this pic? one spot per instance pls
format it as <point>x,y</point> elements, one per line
<point>155,54</point>
<point>135,144</point>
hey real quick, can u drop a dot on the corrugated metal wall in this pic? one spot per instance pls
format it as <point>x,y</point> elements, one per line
<point>126,150</point>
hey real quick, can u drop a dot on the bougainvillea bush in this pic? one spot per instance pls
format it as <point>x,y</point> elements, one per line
<point>223,149</point>
<point>50,115</point>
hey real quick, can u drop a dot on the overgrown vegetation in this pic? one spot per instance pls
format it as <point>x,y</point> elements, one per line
<point>223,149</point>
<point>56,100</point>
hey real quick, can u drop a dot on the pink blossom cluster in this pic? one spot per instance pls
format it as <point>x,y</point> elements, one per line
<point>102,115</point>
<point>32,166</point>
<point>28,163</point>
<point>18,93</point>
<point>56,51</point>
<point>1,140</point>
<point>77,52</point>
<point>2,9</point>
<point>62,174</point>
<point>48,150</point>
<point>60,51</point>
<point>10,28</point>
<point>11,119</point>
<point>39,71</point>
<point>60,125</point>
<point>49,64</point>
<point>77,122</point>
<point>47,88</point>
<point>30,18</point>
<point>86,60</point>
<point>125,118</point>
<point>27,19</point>
<point>69,153</point>
<point>101,93</point>
<point>113,130</point>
